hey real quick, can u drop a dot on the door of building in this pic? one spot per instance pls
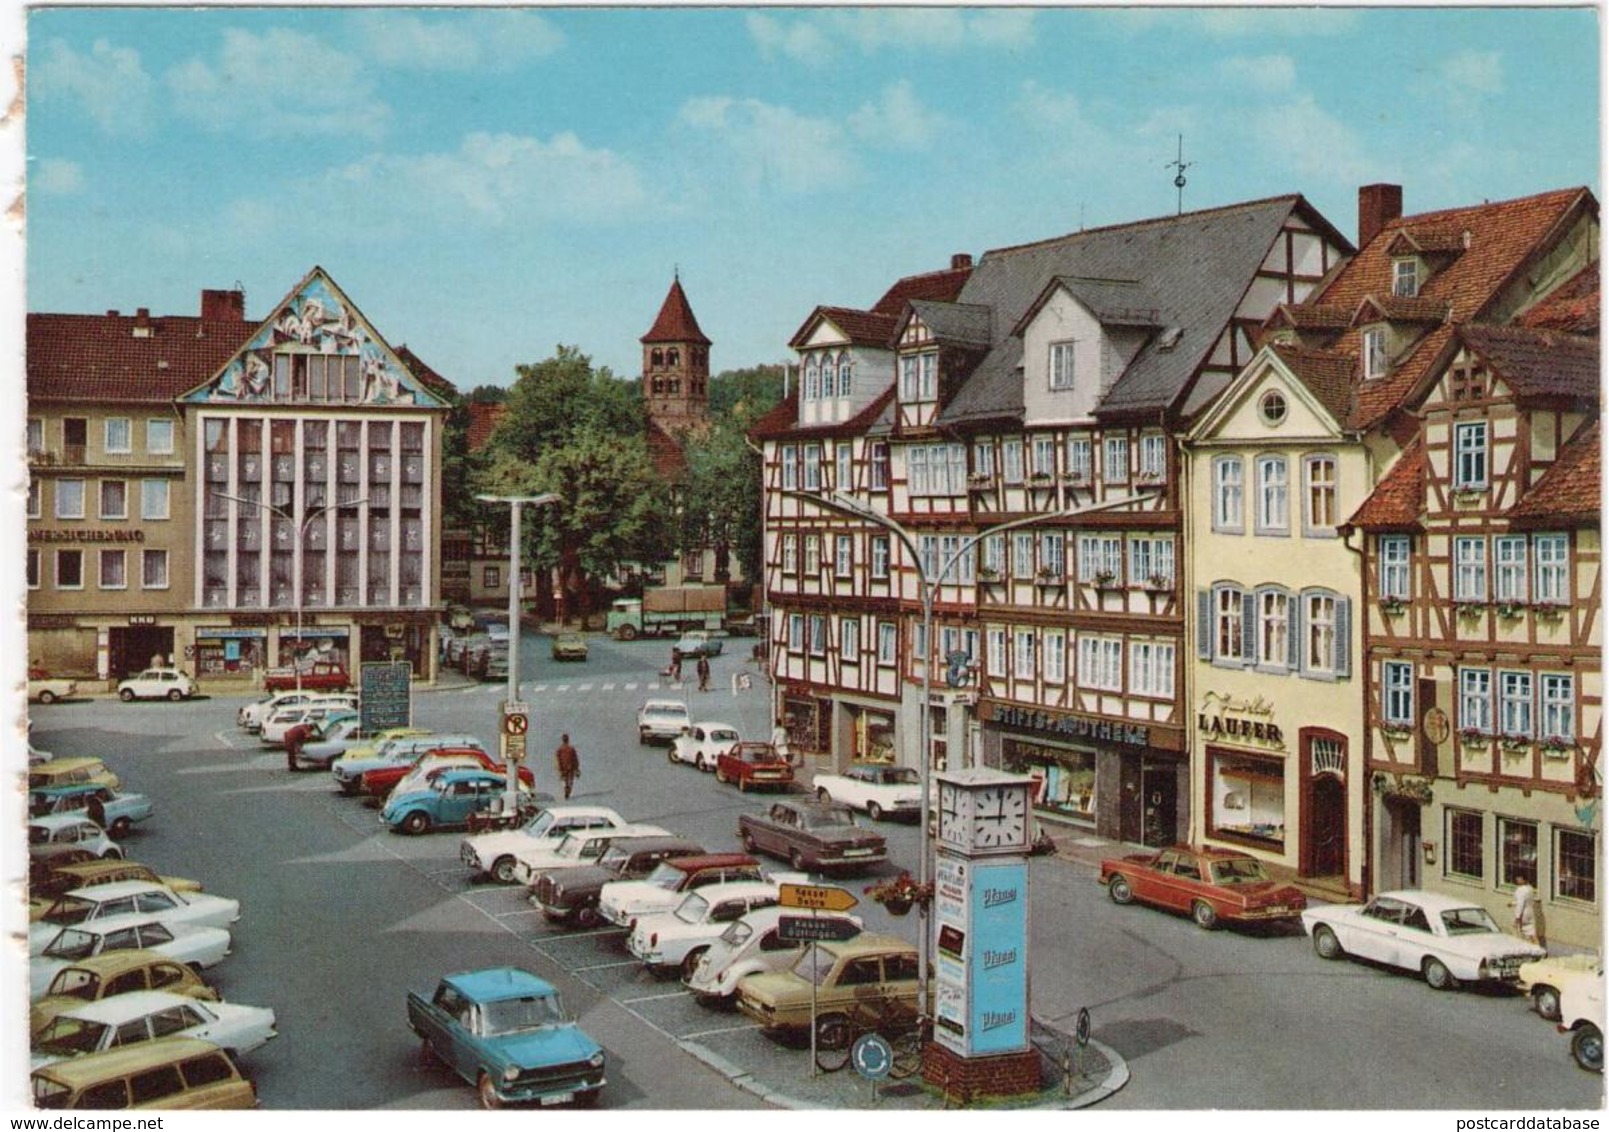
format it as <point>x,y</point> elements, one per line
<point>1401,838</point>
<point>1326,828</point>
<point>1159,805</point>
<point>137,647</point>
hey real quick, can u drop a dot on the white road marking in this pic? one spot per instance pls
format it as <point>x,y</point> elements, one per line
<point>224,739</point>
<point>652,997</point>
<point>606,966</point>
<point>716,1033</point>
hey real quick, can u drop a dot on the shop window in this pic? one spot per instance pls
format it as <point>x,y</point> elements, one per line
<point>1064,779</point>
<point>1248,797</point>
<point>1466,844</point>
<point>1517,844</point>
<point>1575,865</point>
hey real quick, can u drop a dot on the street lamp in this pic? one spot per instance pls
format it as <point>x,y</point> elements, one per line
<point>847,505</point>
<point>280,512</point>
<point>511,796</point>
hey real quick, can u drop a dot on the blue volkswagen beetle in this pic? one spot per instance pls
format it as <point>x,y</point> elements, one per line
<point>505,1031</point>
<point>449,799</point>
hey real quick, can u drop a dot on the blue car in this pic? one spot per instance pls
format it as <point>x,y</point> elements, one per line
<point>450,798</point>
<point>505,1031</point>
<point>122,808</point>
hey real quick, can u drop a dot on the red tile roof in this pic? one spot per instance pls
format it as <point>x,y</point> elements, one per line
<point>670,460</point>
<point>1326,373</point>
<point>483,418</point>
<point>863,328</point>
<point>676,322</point>
<point>1538,363</point>
<point>1397,308</point>
<point>1398,499</point>
<point>939,286</point>
<point>92,357</point>
<point>428,377</point>
<point>1571,490</point>
<point>1572,308</point>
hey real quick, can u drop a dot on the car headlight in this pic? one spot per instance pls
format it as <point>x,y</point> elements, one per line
<point>596,1060</point>
<point>511,1073</point>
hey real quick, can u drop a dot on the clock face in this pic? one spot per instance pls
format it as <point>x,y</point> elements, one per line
<point>955,811</point>
<point>1000,818</point>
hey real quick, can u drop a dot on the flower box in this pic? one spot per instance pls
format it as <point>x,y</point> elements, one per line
<point>1473,737</point>
<point>979,480</point>
<point>1159,583</point>
<point>1469,610</point>
<point>988,574</point>
<point>1549,610</point>
<point>1040,479</point>
<point>1106,580</point>
<point>1075,479</point>
<point>1397,731</point>
<point>900,894</point>
<point>1048,576</point>
<point>1510,610</point>
<point>1392,606</point>
<point>1516,744</point>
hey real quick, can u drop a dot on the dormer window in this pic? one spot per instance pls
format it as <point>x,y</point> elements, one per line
<point>918,377</point>
<point>1405,278</point>
<point>1061,365</point>
<point>1375,360</point>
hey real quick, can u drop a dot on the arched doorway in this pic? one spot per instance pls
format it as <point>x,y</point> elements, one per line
<point>1324,830</point>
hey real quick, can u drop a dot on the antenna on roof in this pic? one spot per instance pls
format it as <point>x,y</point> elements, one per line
<point>1181,165</point>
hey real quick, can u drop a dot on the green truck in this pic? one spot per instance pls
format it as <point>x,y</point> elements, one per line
<point>668,611</point>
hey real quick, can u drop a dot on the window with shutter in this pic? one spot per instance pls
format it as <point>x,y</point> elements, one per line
<point>1204,624</point>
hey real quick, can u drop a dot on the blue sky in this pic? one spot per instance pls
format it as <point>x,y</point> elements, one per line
<point>488,184</point>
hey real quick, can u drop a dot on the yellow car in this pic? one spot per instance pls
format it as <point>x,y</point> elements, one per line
<point>869,970</point>
<point>114,972</point>
<point>87,874</point>
<point>71,772</point>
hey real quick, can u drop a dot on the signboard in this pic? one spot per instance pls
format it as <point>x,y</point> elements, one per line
<point>872,1056</point>
<point>811,929</point>
<point>385,690</point>
<point>821,896</point>
<point>981,969</point>
<point>515,730</point>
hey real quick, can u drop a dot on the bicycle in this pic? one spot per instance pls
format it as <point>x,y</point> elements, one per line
<point>897,1020</point>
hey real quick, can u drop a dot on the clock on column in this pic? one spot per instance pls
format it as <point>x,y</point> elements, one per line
<point>1000,819</point>
<point>983,811</point>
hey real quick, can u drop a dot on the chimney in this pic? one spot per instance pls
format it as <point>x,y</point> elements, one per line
<point>224,306</point>
<point>142,322</point>
<point>960,260</point>
<point>1378,205</point>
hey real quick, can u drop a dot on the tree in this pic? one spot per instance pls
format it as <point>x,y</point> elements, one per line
<point>720,498</point>
<point>554,399</point>
<point>745,395</point>
<point>488,394</point>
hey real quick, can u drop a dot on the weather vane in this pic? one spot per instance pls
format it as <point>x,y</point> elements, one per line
<point>1181,165</point>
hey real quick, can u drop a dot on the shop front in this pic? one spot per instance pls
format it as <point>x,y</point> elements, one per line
<point>807,720</point>
<point>230,652</point>
<point>871,733</point>
<point>313,644</point>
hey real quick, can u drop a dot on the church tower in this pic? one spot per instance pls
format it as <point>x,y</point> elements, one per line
<point>676,365</point>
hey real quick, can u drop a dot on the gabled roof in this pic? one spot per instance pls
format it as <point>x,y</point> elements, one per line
<point>960,324</point>
<point>862,328</point>
<point>1111,302</point>
<point>1423,239</point>
<point>428,377</point>
<point>1327,374</point>
<point>675,322</point>
<point>1400,308</point>
<point>93,357</point>
<point>877,326</point>
<point>939,286</point>
<point>1570,491</point>
<point>1397,500</point>
<point>1538,363</point>
<point>1572,307</point>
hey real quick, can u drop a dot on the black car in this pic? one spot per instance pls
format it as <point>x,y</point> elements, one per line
<point>570,896</point>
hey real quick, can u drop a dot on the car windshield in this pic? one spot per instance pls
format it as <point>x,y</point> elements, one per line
<point>68,1036</point>
<point>1238,870</point>
<point>530,1013</point>
<point>70,910</point>
<point>814,965</point>
<point>1467,921</point>
<point>737,934</point>
<point>692,909</point>
<point>571,846</point>
<point>540,824</point>
<point>666,876</point>
<point>827,819</point>
<point>723,734</point>
<point>900,776</point>
<point>615,858</point>
<point>77,982</point>
<point>71,943</point>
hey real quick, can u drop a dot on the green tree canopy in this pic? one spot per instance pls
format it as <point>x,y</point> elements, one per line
<point>554,399</point>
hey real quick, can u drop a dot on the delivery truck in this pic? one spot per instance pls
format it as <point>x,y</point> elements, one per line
<point>668,611</point>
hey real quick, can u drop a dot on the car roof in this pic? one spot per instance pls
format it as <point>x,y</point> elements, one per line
<point>1211,852</point>
<point>115,889</point>
<point>716,723</point>
<point>714,892</point>
<point>1429,901</point>
<point>699,861</point>
<point>623,831</point>
<point>76,1072</point>
<point>656,844</point>
<point>665,705</point>
<point>868,942</point>
<point>581,812</point>
<point>126,1006</point>
<point>66,788</point>
<point>110,963</point>
<point>494,984</point>
<point>59,821</point>
<point>69,762</point>
<point>465,773</point>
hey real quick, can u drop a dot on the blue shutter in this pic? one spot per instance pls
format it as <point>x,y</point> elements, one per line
<point>1204,624</point>
<point>1248,628</point>
<point>1343,637</point>
<point>1293,631</point>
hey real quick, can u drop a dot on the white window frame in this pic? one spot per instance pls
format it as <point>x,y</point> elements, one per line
<point>111,555</point>
<point>846,374</point>
<point>887,643</point>
<point>812,379</point>
<point>124,446</point>
<point>61,504</point>
<point>1321,627</point>
<point>1469,568</point>
<point>879,465</point>
<point>908,378</point>
<point>790,467</point>
<point>1320,496</point>
<point>1100,554</point>
<point>1151,667</point>
<point>1052,555</point>
<point>1396,701</point>
<point>983,458</point>
<point>1376,356</point>
<point>147,557</point>
<point>148,501</point>
<point>1229,495</point>
<point>1100,663</point>
<point>849,640</point>
<point>1115,459</point>
<point>818,634</point>
<point>1055,654</point>
<point>1552,555</point>
<point>1516,703</point>
<point>993,550</point>
<point>844,558</point>
<point>1273,495</point>
<point>1510,569</point>
<point>844,470</point>
<point>1405,277</point>
<point>1229,625</point>
<point>1153,456</point>
<point>1151,560</point>
<point>1475,699</point>
<point>1022,654</point>
<point>1061,363</point>
<point>995,655</point>
<point>1274,609</point>
<point>1022,554</point>
<point>1044,456</point>
<point>1396,567</point>
<point>62,553</point>
<point>1080,459</point>
<point>1011,460</point>
<point>1471,456</point>
<point>880,560</point>
<point>930,375</point>
<point>36,435</point>
<point>812,555</point>
<point>156,427</point>
<point>1556,718</point>
<point>917,481</point>
<point>104,510</point>
<point>790,553</point>
<point>812,467</point>
<point>796,637</point>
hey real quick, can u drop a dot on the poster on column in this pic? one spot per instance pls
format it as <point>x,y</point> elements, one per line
<point>997,965</point>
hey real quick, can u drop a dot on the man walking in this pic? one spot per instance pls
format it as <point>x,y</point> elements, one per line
<point>703,673</point>
<point>569,763</point>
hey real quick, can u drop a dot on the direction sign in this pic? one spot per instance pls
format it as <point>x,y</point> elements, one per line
<point>811,929</point>
<point>824,897</point>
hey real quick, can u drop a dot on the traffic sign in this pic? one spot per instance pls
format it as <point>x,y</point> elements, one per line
<point>516,718</point>
<point>872,1056</point>
<point>823,897</point>
<point>811,929</point>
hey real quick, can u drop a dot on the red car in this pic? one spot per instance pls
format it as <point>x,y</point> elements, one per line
<point>1215,886</point>
<point>378,783</point>
<point>754,764</point>
<point>320,676</point>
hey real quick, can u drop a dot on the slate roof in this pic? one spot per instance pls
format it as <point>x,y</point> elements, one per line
<point>1572,489</point>
<point>1398,499</point>
<point>956,323</point>
<point>1572,308</point>
<point>96,357</point>
<point>1327,374</point>
<point>1195,269</point>
<point>675,322</point>
<point>1538,363</point>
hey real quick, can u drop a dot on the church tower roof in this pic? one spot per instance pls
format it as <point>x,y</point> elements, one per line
<point>676,322</point>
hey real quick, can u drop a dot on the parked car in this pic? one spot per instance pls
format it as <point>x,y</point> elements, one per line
<point>121,809</point>
<point>1215,886</point>
<point>272,733</point>
<point>485,658</point>
<point>44,688</point>
<point>175,1073</point>
<point>380,783</point>
<point>251,716</point>
<point>493,853</point>
<point>1445,939</point>
<point>67,876</point>
<point>506,1032</point>
<point>676,940</point>
<point>157,684</point>
<point>130,897</point>
<point>331,738</point>
<point>622,902</point>
<point>570,896</point>
<point>809,835</point>
<point>317,675</point>
<point>699,643</point>
<point>749,946</point>
<point>141,1016</point>
<point>755,764</point>
<point>662,721</point>
<point>198,947</point>
<point>835,977</point>
<point>1543,980</point>
<point>59,835</point>
<point>70,772</point>
<point>880,789</point>
<point>703,744</point>
<point>569,646</point>
<point>1581,1016</point>
<point>349,769</point>
<point>367,747</point>
<point>577,848</point>
<point>114,973</point>
<point>446,802</point>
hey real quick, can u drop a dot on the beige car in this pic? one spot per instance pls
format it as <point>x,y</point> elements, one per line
<point>112,973</point>
<point>866,974</point>
<point>71,772</point>
<point>171,1073</point>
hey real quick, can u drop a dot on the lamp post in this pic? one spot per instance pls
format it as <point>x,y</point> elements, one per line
<point>280,512</point>
<point>846,505</point>
<point>511,795</point>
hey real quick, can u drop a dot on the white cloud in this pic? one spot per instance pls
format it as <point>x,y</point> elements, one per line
<point>1271,74</point>
<point>897,120</point>
<point>801,41</point>
<point>773,145</point>
<point>1474,72</point>
<point>1310,143</point>
<point>464,41</point>
<point>281,82</point>
<point>110,82</point>
<point>56,176</point>
<point>814,38</point>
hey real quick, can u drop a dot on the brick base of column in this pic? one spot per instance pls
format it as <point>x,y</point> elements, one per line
<point>972,1078</point>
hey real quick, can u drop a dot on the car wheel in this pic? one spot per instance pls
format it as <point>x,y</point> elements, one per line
<point>488,1092</point>
<point>748,842</point>
<point>587,916</point>
<point>416,822</point>
<point>126,695</point>
<point>1586,1046</point>
<point>742,785</point>
<point>503,870</point>
<point>1204,915</point>
<point>874,811</point>
<point>1547,1003</point>
<point>174,695</point>
<point>796,860</point>
<point>113,853</point>
<point>120,828</point>
<point>720,775</point>
<point>822,795</point>
<point>1120,892</point>
<point>690,962</point>
<point>1438,976</point>
<point>628,632</point>
<point>1325,943</point>
<point>47,697</point>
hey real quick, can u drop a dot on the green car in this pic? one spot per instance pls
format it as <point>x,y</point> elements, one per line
<point>569,646</point>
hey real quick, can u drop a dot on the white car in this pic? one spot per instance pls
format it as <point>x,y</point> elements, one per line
<point>747,946</point>
<point>49,689</point>
<point>139,1016</point>
<point>493,853</point>
<point>1581,1016</point>
<point>272,732</point>
<point>703,744</point>
<point>196,947</point>
<point>1443,938</point>
<point>662,721</point>
<point>51,835</point>
<point>251,716</point>
<point>624,902</point>
<point>678,939</point>
<point>877,788</point>
<point>157,684</point>
<point>578,847</point>
<point>1543,980</point>
<point>125,897</point>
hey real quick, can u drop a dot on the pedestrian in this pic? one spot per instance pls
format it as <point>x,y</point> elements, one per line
<point>295,739</point>
<point>675,669</point>
<point>96,809</point>
<point>569,763</point>
<point>1524,903</point>
<point>703,673</point>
